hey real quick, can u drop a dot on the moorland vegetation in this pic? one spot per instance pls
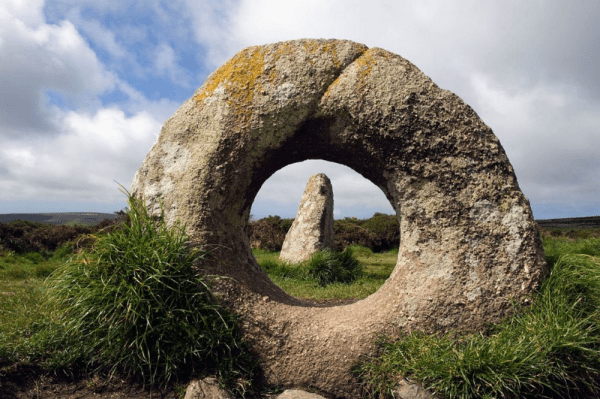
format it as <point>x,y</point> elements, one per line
<point>121,299</point>
<point>379,233</point>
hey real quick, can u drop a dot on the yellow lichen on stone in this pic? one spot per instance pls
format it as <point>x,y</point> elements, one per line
<point>331,86</point>
<point>241,76</point>
<point>240,79</point>
<point>324,48</point>
<point>283,49</point>
<point>363,66</point>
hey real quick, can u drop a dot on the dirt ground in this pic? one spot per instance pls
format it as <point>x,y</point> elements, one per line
<point>31,385</point>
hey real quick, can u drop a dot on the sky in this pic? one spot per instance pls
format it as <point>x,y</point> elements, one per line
<point>85,86</point>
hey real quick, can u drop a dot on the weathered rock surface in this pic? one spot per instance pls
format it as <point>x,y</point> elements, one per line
<point>298,394</point>
<point>409,390</point>
<point>469,245</point>
<point>312,229</point>
<point>207,388</point>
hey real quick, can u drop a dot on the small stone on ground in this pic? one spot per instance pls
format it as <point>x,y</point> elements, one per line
<point>298,394</point>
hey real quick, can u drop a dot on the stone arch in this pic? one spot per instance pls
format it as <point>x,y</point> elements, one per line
<point>469,244</point>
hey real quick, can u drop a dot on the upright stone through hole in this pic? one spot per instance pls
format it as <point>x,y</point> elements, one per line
<point>312,229</point>
<point>302,230</point>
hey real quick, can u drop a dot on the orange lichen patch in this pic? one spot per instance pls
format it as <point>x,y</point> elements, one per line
<point>331,86</point>
<point>362,67</point>
<point>240,79</point>
<point>283,49</point>
<point>241,76</point>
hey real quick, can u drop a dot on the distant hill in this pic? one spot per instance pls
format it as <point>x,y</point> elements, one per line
<point>92,218</point>
<point>581,223</point>
<point>85,218</point>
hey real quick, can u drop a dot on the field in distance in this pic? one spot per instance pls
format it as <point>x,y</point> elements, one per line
<point>81,218</point>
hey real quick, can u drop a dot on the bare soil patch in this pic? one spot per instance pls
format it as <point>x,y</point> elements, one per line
<point>34,383</point>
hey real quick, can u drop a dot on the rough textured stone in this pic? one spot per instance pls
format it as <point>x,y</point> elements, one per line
<point>469,245</point>
<point>208,388</point>
<point>312,229</point>
<point>298,394</point>
<point>409,390</point>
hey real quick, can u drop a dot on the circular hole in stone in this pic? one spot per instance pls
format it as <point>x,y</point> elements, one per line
<point>354,197</point>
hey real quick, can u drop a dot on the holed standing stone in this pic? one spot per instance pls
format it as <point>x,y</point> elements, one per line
<point>469,246</point>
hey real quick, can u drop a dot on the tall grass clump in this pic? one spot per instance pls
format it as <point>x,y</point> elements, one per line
<point>133,305</point>
<point>330,267</point>
<point>285,270</point>
<point>550,349</point>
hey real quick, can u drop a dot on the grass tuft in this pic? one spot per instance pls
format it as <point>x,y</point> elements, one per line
<point>330,267</point>
<point>133,305</point>
<point>324,268</point>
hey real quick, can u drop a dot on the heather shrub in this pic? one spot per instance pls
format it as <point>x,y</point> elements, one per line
<point>386,231</point>
<point>268,233</point>
<point>349,231</point>
<point>23,236</point>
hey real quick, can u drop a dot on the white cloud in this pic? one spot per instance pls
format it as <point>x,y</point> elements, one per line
<point>103,37</point>
<point>41,57</point>
<point>82,162</point>
<point>132,45</point>
<point>212,27</point>
<point>53,153</point>
<point>161,109</point>
<point>27,11</point>
<point>166,64</point>
<point>121,7</point>
<point>550,134</point>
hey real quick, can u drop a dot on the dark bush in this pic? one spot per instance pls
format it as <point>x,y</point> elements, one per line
<point>385,229</point>
<point>349,231</point>
<point>23,236</point>
<point>268,233</point>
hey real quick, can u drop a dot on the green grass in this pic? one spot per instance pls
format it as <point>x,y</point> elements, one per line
<point>331,267</point>
<point>130,306</point>
<point>550,349</point>
<point>556,247</point>
<point>21,287</point>
<point>21,280</point>
<point>297,280</point>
